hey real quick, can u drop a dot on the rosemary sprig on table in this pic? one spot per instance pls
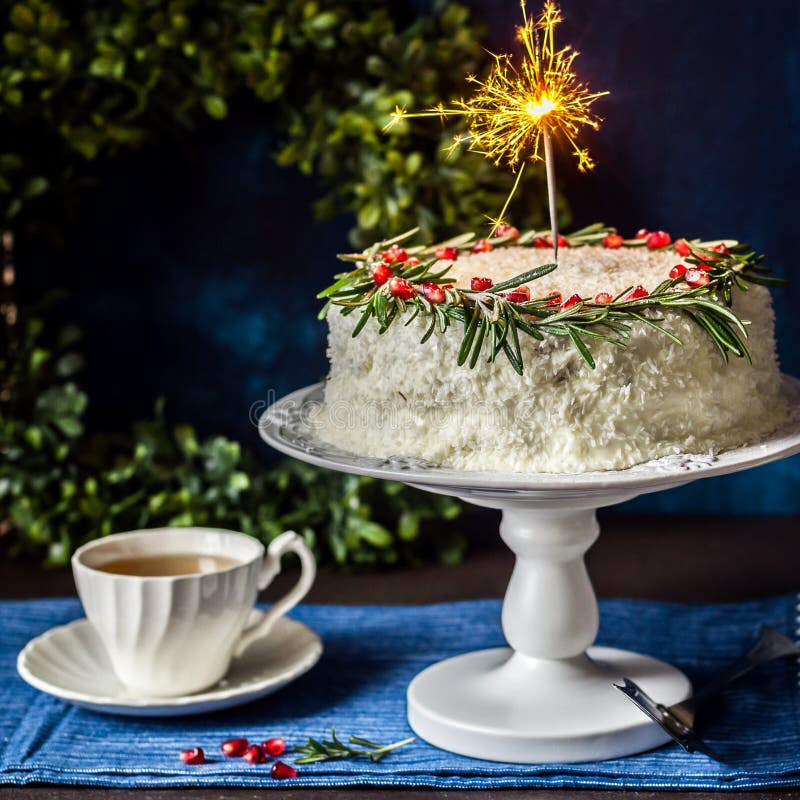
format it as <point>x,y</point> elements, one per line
<point>493,321</point>
<point>335,749</point>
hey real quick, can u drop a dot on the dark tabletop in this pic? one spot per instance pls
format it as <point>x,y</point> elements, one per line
<point>685,559</point>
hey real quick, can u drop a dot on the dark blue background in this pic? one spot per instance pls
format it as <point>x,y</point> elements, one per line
<point>194,268</point>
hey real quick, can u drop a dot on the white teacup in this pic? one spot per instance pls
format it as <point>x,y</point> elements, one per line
<point>176,634</point>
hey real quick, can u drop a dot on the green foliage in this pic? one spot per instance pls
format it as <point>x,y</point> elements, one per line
<point>60,487</point>
<point>81,81</point>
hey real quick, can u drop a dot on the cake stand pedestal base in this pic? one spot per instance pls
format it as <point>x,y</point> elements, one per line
<point>502,706</point>
<point>550,697</point>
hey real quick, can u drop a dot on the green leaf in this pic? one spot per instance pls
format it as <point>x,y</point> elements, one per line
<point>215,106</point>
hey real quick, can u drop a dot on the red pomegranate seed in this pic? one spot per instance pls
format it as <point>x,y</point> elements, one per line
<point>381,272</point>
<point>554,299</point>
<point>274,746</point>
<point>682,248</point>
<point>642,233</point>
<point>281,771</point>
<point>613,241</point>
<point>636,293</point>
<point>517,297</point>
<point>447,253</point>
<point>482,246</point>
<point>194,755</point>
<point>507,231</point>
<point>480,284</point>
<point>721,248</point>
<point>603,298</point>
<point>678,271</point>
<point>254,755</point>
<point>234,748</point>
<point>563,241</point>
<point>696,277</point>
<point>395,254</point>
<point>705,267</point>
<point>433,294</point>
<point>541,241</point>
<point>657,240</point>
<point>413,262</point>
<point>400,287</point>
<point>572,300</point>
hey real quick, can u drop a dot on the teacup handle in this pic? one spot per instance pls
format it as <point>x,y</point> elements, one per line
<point>285,543</point>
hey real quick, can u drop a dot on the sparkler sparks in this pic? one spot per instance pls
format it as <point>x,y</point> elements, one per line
<point>516,109</point>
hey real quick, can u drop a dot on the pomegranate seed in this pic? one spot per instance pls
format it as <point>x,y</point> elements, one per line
<point>433,294</point>
<point>721,248</point>
<point>678,271</point>
<point>447,253</point>
<point>705,267</point>
<point>603,298</point>
<point>194,755</point>
<point>508,231</point>
<point>400,287</point>
<point>540,241</point>
<point>612,241</point>
<point>381,272</point>
<point>482,246</point>
<point>682,248</point>
<point>281,771</point>
<point>563,241</point>
<point>274,746</point>
<point>554,299</point>
<point>254,755</point>
<point>481,284</point>
<point>572,300</point>
<point>448,285</point>
<point>413,262</point>
<point>696,277</point>
<point>517,297</point>
<point>642,233</point>
<point>233,748</point>
<point>395,254</point>
<point>636,293</point>
<point>657,240</point>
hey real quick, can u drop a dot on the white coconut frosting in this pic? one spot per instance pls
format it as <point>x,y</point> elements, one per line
<point>390,395</point>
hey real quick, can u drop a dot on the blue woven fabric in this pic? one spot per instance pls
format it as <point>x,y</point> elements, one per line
<point>371,653</point>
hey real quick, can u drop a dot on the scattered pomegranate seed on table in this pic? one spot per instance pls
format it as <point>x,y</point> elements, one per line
<point>193,755</point>
<point>482,246</point>
<point>636,293</point>
<point>275,746</point>
<point>447,253</point>
<point>413,262</point>
<point>603,298</point>
<point>233,748</point>
<point>480,284</point>
<point>613,241</point>
<point>678,271</point>
<point>642,233</point>
<point>657,240</point>
<point>721,248</point>
<point>682,248</point>
<point>395,254</point>
<point>696,277</point>
<point>381,272</point>
<point>433,293</point>
<point>400,287</point>
<point>507,231</point>
<point>281,771</point>
<point>540,241</point>
<point>522,294</point>
<point>255,755</point>
<point>554,299</point>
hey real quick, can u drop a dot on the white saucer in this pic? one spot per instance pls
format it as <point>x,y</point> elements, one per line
<point>70,662</point>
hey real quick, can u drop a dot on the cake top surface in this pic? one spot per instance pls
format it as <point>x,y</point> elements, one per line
<point>582,270</point>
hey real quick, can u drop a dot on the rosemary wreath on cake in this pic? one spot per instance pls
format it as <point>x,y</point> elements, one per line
<point>390,282</point>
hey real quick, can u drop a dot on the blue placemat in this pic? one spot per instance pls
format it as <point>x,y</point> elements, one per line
<point>371,653</point>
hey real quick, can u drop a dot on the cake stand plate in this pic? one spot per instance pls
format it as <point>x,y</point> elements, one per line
<point>549,697</point>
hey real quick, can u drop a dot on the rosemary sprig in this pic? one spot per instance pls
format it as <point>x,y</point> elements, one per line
<point>335,749</point>
<point>492,323</point>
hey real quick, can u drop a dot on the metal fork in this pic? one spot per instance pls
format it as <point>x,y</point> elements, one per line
<point>678,719</point>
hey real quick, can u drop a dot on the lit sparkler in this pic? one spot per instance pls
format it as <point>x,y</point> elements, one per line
<point>515,112</point>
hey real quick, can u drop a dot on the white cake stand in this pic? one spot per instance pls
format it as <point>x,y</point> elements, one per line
<point>549,696</point>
